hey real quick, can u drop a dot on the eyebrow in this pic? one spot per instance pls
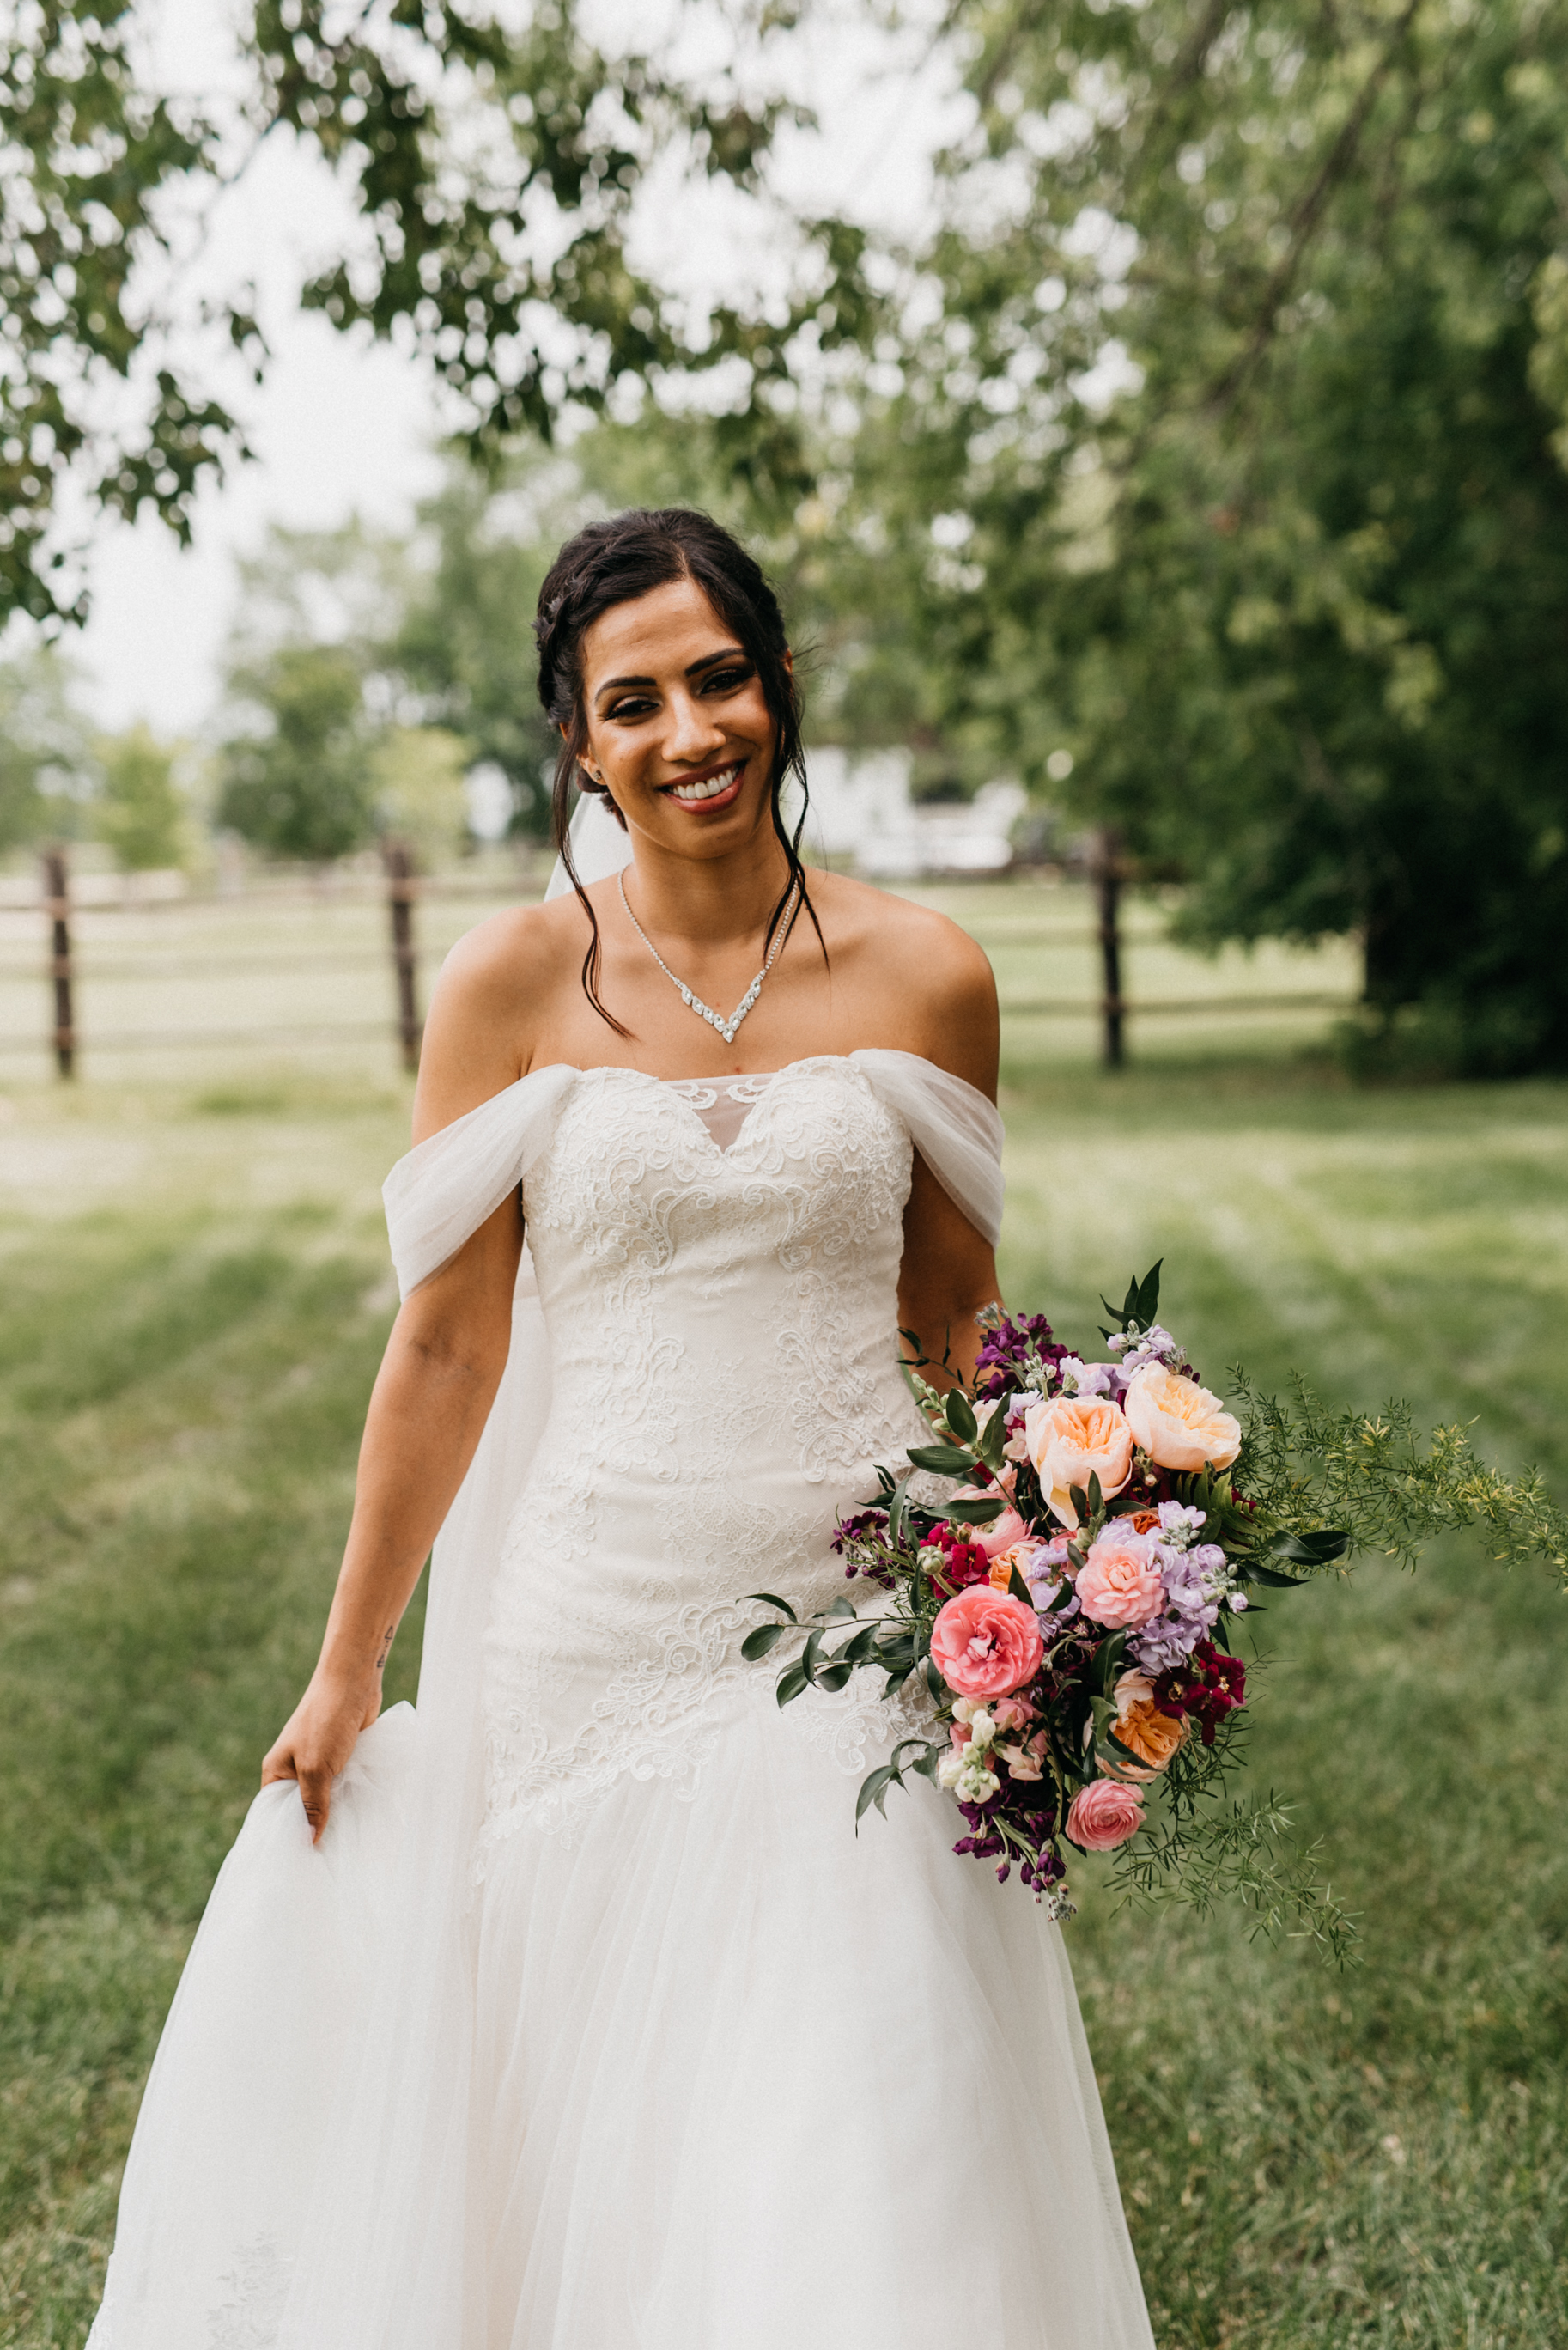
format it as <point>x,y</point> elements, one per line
<point>709,660</point>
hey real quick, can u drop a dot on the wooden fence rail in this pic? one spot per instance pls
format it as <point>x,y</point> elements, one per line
<point>403,892</point>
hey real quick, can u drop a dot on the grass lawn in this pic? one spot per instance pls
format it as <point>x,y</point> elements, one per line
<point>196,1291</point>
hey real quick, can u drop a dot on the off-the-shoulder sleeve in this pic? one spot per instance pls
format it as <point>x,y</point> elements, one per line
<point>448,1183</point>
<point>955,1129</point>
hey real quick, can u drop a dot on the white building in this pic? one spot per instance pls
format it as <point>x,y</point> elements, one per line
<point>861,809</point>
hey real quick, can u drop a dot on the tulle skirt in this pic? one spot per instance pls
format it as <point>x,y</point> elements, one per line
<point>742,2080</point>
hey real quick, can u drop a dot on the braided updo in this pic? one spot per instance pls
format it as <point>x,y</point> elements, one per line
<point>615,562</point>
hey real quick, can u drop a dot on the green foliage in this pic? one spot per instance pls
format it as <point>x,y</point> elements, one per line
<point>139,811</point>
<point>305,788</point>
<point>417,779</point>
<point>1212,452</point>
<point>46,755</point>
<point>1370,1475</point>
<point>453,133</point>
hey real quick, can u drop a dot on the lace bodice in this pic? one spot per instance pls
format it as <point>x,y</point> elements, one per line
<point>722,1328</point>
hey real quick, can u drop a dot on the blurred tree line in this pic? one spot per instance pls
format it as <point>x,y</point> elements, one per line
<point>1201,460</point>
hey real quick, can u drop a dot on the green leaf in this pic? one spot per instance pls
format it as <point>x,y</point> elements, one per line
<point>768,1599</point>
<point>896,1509</point>
<point>858,1650</point>
<point>1016,1590</point>
<point>926,1764</point>
<point>810,1653</point>
<point>833,1676</point>
<point>1252,1572</point>
<point>1080,1501</point>
<point>1106,1659</point>
<point>1310,1550</point>
<point>960,1416</point>
<point>975,1514</point>
<point>757,1644</point>
<point>943,1460</point>
<point>873,1790</point>
<point>841,1608</point>
<point>791,1684</point>
<point>992,1445</point>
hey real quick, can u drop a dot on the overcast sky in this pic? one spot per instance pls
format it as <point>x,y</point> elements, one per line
<point>342,424</point>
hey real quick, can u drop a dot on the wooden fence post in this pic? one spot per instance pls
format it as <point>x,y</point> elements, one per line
<point>57,905</point>
<point>401,891</point>
<point>1108,875</point>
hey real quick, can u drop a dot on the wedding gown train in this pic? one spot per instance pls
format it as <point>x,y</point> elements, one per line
<point>591,2025</point>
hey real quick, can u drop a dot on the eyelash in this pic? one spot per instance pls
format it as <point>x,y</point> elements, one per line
<point>727,678</point>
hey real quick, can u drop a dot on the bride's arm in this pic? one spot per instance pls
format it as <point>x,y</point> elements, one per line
<point>432,1398</point>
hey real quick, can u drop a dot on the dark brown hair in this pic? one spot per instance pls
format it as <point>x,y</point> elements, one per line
<point>615,562</point>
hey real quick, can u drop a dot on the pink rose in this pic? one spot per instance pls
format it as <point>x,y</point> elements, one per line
<point>1104,1815</point>
<point>1012,1713</point>
<point>985,1644</point>
<point>1001,1533</point>
<point>1073,1439</point>
<point>1119,1584</point>
<point>1179,1424</point>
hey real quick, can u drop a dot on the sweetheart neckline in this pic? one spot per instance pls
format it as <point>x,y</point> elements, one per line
<point>724,1150</point>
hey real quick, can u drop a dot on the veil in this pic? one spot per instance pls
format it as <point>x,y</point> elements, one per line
<point>600,846</point>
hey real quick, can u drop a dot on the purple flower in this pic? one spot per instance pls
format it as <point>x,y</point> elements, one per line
<point>1180,1522</point>
<point>1166,1642</point>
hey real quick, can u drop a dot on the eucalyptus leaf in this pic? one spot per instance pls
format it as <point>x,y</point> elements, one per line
<point>833,1676</point>
<point>757,1644</point>
<point>873,1790</point>
<point>992,1445</point>
<point>770,1599</point>
<point>976,1514</point>
<point>941,1460</point>
<point>791,1684</point>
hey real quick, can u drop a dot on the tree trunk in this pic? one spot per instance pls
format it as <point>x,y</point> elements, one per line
<point>1108,877</point>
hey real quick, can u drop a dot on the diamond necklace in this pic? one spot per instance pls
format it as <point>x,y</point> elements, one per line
<point>726,1028</point>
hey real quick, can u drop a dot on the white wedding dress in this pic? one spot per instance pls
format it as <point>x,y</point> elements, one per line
<point>592,2024</point>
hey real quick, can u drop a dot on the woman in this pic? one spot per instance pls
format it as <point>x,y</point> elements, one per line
<point>578,2016</point>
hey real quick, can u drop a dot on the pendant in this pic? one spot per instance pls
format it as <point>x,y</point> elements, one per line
<point>726,1028</point>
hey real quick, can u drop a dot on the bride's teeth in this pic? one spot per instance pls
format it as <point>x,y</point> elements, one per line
<point>708,789</point>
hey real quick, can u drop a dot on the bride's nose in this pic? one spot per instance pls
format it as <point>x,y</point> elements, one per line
<point>694,732</point>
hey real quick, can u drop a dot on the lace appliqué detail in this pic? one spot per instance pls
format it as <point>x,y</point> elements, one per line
<point>259,2284</point>
<point>722,1324</point>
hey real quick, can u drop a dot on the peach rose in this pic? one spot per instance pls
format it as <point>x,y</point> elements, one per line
<point>1153,1736</point>
<point>1104,1815</point>
<point>1179,1424</point>
<point>1072,1439</point>
<point>986,1645</point>
<point>1119,1584</point>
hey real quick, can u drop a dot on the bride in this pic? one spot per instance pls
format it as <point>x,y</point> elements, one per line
<point>569,2013</point>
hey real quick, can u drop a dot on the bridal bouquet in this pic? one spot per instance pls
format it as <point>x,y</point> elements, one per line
<point>1071,1608</point>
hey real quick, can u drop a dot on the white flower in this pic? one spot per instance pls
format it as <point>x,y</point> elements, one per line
<point>967,1775</point>
<point>981,1728</point>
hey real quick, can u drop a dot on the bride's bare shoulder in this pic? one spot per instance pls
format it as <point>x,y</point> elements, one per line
<point>494,992</point>
<point>926,985</point>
